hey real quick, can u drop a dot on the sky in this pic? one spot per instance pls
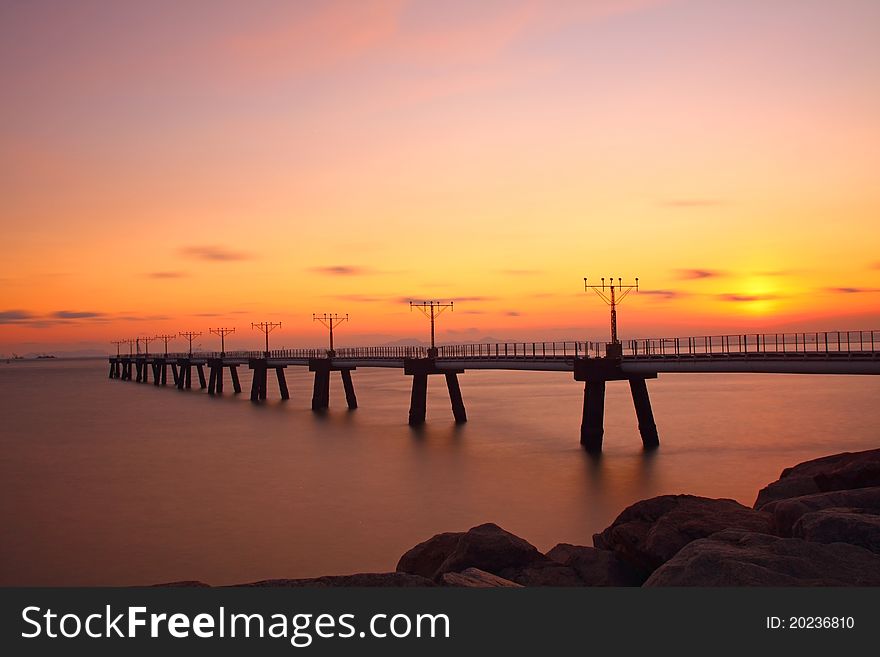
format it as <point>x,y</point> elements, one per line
<point>172,166</point>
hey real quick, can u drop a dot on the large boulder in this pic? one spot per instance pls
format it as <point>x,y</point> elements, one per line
<point>490,548</point>
<point>835,525</point>
<point>477,579</point>
<point>787,512</point>
<point>738,558</point>
<point>596,567</point>
<point>829,473</point>
<point>650,532</point>
<point>358,579</point>
<point>426,558</point>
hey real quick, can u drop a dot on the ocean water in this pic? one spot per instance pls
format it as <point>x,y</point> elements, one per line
<point>105,482</point>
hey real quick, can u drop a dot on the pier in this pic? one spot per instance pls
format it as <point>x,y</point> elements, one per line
<point>594,364</point>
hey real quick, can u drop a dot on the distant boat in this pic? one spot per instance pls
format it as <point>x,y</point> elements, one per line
<point>17,357</point>
<point>45,356</point>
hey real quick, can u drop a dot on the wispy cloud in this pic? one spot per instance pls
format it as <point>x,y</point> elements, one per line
<point>666,295</point>
<point>341,270</point>
<point>513,313</point>
<point>213,253</point>
<point>745,298</point>
<point>697,274</point>
<point>852,290</point>
<point>166,274</point>
<point>76,314</point>
<point>15,316</point>
<point>694,202</point>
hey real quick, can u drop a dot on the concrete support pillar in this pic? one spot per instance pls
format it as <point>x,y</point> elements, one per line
<point>642,402</point>
<point>219,381</point>
<point>258,387</point>
<point>419,399</point>
<point>233,372</point>
<point>187,376</point>
<point>139,371</point>
<point>350,397</point>
<point>212,378</point>
<point>201,370</point>
<point>174,374</point>
<point>156,375</point>
<point>112,366</point>
<point>282,383</point>
<point>164,373</point>
<point>455,397</point>
<point>592,425</point>
<point>321,390</point>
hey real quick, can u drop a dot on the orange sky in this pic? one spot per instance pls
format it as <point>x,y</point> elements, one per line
<point>170,166</point>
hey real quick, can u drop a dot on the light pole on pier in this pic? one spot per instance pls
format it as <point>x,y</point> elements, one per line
<point>612,294</point>
<point>330,320</point>
<point>147,341</point>
<point>166,339</point>
<point>222,332</point>
<point>131,342</point>
<point>431,310</point>
<point>266,328</point>
<point>190,336</point>
<point>117,343</point>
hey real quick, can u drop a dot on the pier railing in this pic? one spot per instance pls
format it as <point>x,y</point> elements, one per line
<point>520,350</point>
<point>821,343</point>
<point>830,344</point>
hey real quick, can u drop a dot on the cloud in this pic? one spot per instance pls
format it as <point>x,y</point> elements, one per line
<point>341,270</point>
<point>852,290</point>
<point>76,314</point>
<point>875,265</point>
<point>745,298</point>
<point>213,253</point>
<point>666,295</point>
<point>167,274</point>
<point>142,318</point>
<point>15,316</point>
<point>694,203</point>
<point>696,274</point>
<point>513,313</point>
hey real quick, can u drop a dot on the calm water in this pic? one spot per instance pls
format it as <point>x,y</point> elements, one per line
<point>109,482</point>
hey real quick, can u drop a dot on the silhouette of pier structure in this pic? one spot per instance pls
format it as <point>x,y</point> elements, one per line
<point>593,363</point>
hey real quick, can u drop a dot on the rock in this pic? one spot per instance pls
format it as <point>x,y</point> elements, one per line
<point>741,558</point>
<point>837,472</point>
<point>836,525</point>
<point>359,579</point>
<point>786,512</point>
<point>426,557</point>
<point>490,548</point>
<point>476,578</point>
<point>543,572</point>
<point>596,567</point>
<point>650,532</point>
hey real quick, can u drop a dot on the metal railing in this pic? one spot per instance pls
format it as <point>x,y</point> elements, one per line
<point>828,344</point>
<point>520,350</point>
<point>821,343</point>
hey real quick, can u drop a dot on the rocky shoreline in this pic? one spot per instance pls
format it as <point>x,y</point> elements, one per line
<point>817,525</point>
